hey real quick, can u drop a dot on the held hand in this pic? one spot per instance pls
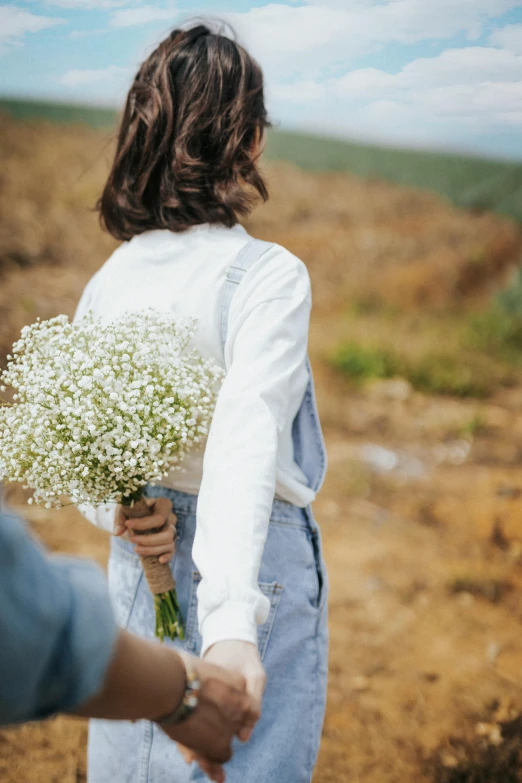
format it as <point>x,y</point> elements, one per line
<point>242,657</point>
<point>161,542</point>
<point>224,709</point>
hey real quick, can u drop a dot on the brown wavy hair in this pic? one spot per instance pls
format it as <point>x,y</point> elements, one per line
<point>186,151</point>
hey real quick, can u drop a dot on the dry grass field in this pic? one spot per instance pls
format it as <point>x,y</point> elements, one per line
<point>421,511</point>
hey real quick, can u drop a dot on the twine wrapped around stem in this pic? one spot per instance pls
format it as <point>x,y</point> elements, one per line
<point>169,622</point>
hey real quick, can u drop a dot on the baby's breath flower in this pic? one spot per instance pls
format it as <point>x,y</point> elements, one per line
<point>103,409</point>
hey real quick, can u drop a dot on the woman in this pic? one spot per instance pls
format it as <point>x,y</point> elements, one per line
<point>248,565</point>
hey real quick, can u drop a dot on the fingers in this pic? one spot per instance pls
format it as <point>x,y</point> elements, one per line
<point>249,686</point>
<point>245,733</point>
<point>154,521</point>
<point>235,680</point>
<point>234,706</point>
<point>251,718</point>
<point>255,686</point>
<point>225,710</point>
<point>212,770</point>
<point>251,713</point>
<point>119,522</point>
<point>160,544</point>
<point>229,677</point>
<point>162,507</point>
<point>162,521</point>
<point>161,511</point>
<point>167,550</point>
<point>162,537</point>
<point>188,755</point>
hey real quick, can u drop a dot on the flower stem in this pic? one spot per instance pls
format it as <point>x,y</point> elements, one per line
<point>169,622</point>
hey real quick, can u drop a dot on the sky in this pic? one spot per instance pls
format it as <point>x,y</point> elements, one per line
<point>435,74</point>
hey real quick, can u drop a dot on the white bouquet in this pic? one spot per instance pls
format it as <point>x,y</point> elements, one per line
<point>101,410</point>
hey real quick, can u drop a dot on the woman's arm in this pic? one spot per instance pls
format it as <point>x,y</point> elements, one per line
<point>266,353</point>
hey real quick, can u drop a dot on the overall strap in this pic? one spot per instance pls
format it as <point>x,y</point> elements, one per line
<point>246,258</point>
<point>307,437</point>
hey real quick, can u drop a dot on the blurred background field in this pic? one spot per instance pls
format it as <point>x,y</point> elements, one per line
<point>416,341</point>
<point>468,182</point>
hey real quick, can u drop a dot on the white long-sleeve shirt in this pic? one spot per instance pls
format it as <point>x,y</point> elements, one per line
<point>248,458</point>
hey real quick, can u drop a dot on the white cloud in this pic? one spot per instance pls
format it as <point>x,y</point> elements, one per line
<point>452,68</point>
<point>418,20</point>
<point>508,37</point>
<point>142,14</point>
<point>471,65</point>
<point>486,105</point>
<point>296,92</point>
<point>473,90</point>
<point>113,75</point>
<point>512,118</point>
<point>443,114</point>
<point>472,87</point>
<point>15,23</point>
<point>308,38</point>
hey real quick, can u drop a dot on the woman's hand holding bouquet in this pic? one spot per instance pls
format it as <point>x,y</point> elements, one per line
<point>152,544</point>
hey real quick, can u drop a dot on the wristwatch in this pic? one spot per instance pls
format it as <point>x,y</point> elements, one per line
<point>188,703</point>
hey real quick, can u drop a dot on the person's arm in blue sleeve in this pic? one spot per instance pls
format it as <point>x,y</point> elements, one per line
<point>60,651</point>
<point>57,632</point>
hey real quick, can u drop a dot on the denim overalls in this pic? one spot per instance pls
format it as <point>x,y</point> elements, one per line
<point>293,643</point>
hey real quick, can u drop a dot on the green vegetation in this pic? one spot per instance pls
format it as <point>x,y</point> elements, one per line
<point>474,426</point>
<point>482,351</point>
<point>466,181</point>
<point>457,375</point>
<point>59,112</point>
<point>451,353</point>
<point>362,363</point>
<point>498,330</point>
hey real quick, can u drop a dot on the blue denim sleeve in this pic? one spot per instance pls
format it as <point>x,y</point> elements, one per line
<point>57,631</point>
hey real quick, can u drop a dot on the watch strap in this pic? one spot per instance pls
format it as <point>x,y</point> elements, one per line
<point>188,703</point>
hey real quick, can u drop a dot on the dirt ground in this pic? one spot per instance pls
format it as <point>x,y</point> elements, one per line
<point>421,510</point>
<point>426,641</point>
